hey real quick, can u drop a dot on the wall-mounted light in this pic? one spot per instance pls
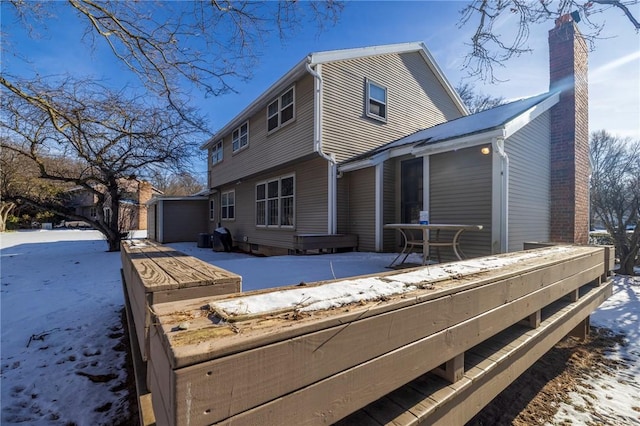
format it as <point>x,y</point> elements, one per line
<point>485,150</point>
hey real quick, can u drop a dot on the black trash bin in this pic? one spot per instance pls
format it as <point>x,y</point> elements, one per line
<point>204,241</point>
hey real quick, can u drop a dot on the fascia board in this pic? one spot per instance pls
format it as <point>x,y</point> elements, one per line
<point>363,52</point>
<point>363,164</point>
<point>517,123</point>
<point>459,143</point>
<point>357,165</point>
<point>185,198</point>
<point>400,151</point>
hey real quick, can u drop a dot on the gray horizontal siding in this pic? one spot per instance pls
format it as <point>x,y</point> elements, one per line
<point>460,193</point>
<point>291,142</point>
<point>529,183</point>
<point>416,100</point>
<point>389,236</point>
<point>310,206</point>
<point>343,204</point>
<point>362,216</point>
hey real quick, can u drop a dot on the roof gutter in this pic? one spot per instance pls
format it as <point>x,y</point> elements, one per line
<point>332,175</point>
<point>367,162</point>
<point>458,143</point>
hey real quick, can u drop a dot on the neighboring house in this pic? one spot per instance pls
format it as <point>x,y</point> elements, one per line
<point>133,204</point>
<point>324,154</point>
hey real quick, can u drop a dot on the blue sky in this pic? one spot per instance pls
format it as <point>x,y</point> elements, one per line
<point>614,81</point>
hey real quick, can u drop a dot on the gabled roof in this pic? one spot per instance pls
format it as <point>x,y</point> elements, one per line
<point>324,57</point>
<point>501,121</point>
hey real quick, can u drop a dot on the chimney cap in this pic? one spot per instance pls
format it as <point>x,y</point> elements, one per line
<point>568,17</point>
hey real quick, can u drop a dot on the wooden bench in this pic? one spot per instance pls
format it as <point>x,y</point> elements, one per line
<point>288,366</point>
<point>304,242</point>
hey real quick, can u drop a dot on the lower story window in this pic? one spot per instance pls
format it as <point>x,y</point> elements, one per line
<point>275,202</point>
<point>212,210</point>
<point>228,205</point>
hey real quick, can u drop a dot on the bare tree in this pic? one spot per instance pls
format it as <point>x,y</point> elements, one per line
<point>475,101</point>
<point>172,48</point>
<point>112,137</point>
<point>615,193</point>
<point>178,184</point>
<point>490,48</point>
<point>19,176</point>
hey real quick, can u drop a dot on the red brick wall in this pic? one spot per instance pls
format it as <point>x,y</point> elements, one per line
<point>570,168</point>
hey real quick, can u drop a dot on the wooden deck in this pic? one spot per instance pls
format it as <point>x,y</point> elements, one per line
<point>154,274</point>
<point>373,362</point>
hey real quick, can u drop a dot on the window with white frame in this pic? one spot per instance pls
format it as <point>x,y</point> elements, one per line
<point>376,104</point>
<point>228,205</point>
<point>240,137</point>
<point>282,110</point>
<point>275,202</point>
<point>216,153</point>
<point>212,209</point>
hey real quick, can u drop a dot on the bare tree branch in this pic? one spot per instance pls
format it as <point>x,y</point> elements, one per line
<point>489,48</point>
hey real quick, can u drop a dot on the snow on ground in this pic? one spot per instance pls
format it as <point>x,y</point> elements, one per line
<point>61,298</point>
<point>612,396</point>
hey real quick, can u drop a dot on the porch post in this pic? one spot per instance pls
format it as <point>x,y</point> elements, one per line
<point>379,205</point>
<point>425,182</point>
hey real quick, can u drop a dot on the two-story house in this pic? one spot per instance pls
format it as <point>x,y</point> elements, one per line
<point>349,140</point>
<point>274,169</point>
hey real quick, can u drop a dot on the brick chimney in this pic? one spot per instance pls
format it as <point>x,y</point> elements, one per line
<point>570,167</point>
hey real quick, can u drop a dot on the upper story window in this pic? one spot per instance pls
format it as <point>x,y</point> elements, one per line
<point>275,201</point>
<point>281,111</point>
<point>216,153</point>
<point>240,137</point>
<point>376,106</point>
<point>228,205</point>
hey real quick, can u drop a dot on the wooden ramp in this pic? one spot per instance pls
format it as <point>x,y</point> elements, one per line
<point>477,323</point>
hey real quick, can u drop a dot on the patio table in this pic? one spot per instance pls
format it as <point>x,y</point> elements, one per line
<point>411,241</point>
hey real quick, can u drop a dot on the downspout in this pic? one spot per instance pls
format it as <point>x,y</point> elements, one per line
<point>332,175</point>
<point>498,145</point>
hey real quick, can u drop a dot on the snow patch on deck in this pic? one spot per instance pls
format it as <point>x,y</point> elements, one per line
<point>361,290</point>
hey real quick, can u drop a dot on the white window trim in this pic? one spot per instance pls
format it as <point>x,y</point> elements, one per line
<point>368,98</point>
<point>278,100</point>
<point>222,206</point>
<point>218,147</point>
<point>238,129</point>
<point>266,200</point>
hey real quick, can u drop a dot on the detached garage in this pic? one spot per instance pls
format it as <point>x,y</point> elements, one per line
<point>177,219</point>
